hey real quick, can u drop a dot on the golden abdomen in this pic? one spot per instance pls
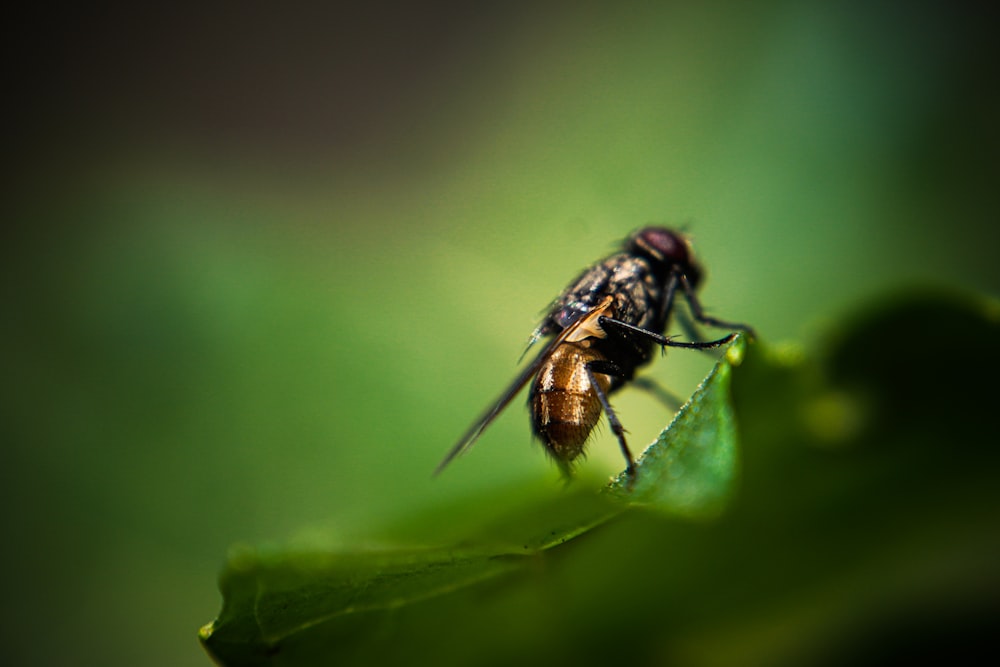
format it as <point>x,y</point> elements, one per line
<point>564,404</point>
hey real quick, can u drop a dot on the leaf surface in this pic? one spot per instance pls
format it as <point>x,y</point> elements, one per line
<point>280,600</point>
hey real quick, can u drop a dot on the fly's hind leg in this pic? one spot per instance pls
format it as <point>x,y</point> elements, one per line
<point>605,367</point>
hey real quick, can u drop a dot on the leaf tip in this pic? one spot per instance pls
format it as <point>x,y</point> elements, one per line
<point>205,631</point>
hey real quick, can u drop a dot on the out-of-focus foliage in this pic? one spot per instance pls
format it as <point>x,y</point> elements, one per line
<point>261,265</point>
<point>862,533</point>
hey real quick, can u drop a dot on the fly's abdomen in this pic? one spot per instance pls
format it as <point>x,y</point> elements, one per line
<point>564,404</point>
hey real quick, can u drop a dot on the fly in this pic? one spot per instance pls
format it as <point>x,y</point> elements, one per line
<point>602,328</point>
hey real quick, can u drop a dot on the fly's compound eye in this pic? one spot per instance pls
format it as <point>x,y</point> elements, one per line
<point>669,249</point>
<point>662,244</point>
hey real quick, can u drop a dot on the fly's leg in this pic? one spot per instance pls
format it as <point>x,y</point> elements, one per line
<point>699,314</point>
<point>608,368</point>
<point>627,330</point>
<point>668,298</point>
<point>687,325</point>
<point>661,393</point>
<point>679,280</point>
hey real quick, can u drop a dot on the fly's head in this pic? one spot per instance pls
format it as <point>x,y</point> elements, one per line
<point>668,250</point>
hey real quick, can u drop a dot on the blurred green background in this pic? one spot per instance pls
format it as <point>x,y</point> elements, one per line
<point>262,265</point>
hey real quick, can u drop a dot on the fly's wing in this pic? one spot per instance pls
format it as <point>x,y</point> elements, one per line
<point>477,428</point>
<point>575,331</point>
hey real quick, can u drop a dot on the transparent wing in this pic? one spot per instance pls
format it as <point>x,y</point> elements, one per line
<point>575,331</point>
<point>477,428</point>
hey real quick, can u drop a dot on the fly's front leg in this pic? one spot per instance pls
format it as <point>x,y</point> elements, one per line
<point>669,296</point>
<point>699,314</point>
<point>605,367</point>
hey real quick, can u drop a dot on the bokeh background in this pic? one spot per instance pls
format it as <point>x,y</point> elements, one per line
<point>263,264</point>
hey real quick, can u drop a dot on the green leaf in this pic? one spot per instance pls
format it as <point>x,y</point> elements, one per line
<point>277,602</point>
<point>864,527</point>
<point>283,602</point>
<point>691,469</point>
<point>272,599</point>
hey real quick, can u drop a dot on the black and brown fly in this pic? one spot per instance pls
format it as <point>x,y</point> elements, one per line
<point>603,327</point>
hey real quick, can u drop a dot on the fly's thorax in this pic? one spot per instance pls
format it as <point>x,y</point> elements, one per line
<point>636,287</point>
<point>638,293</point>
<point>564,403</point>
